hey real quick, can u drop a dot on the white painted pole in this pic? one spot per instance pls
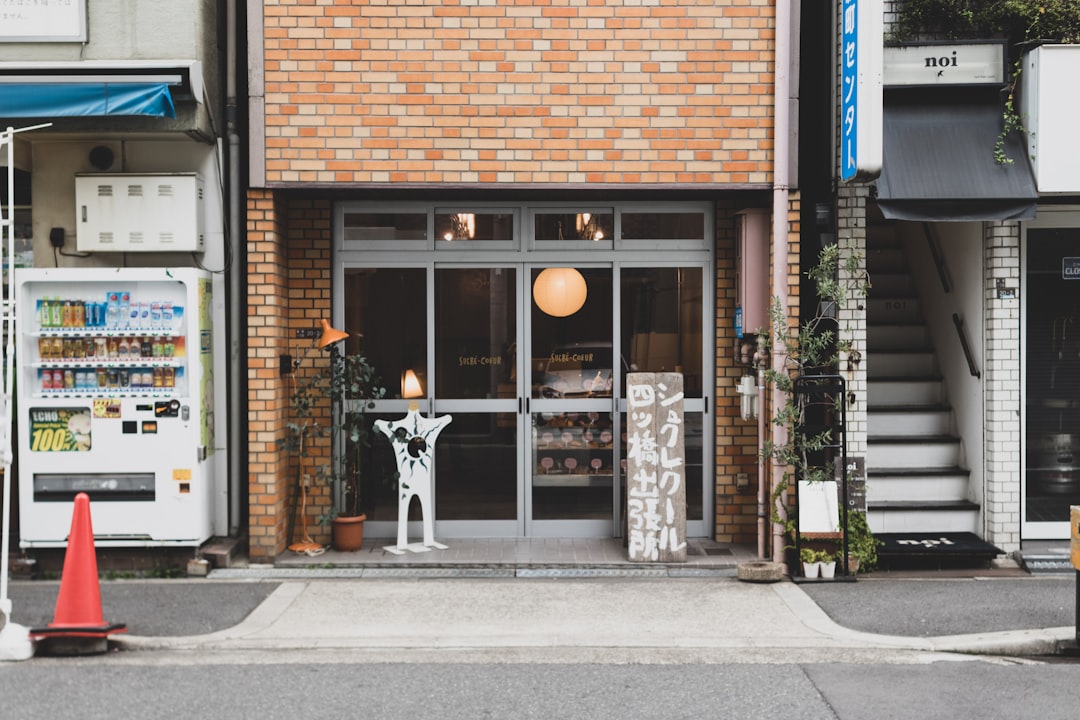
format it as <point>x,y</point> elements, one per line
<point>14,639</point>
<point>7,317</point>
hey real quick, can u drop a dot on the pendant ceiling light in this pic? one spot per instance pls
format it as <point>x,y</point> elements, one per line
<point>560,292</point>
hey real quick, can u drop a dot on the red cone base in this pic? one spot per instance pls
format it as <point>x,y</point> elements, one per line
<point>78,606</point>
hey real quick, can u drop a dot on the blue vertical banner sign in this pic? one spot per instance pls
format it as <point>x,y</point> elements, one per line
<point>861,50</point>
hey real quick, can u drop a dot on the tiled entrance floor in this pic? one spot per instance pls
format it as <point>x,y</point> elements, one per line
<point>598,554</point>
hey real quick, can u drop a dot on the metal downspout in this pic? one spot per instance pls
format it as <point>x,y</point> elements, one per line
<point>238,262</point>
<point>781,123</point>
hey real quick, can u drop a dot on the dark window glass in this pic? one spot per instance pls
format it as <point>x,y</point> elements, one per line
<point>1053,374</point>
<point>386,318</point>
<point>475,328</point>
<point>663,226</point>
<point>661,323</point>
<point>574,226</point>
<point>385,226</point>
<point>471,227</point>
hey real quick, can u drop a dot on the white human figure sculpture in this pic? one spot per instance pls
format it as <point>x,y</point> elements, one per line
<point>413,439</point>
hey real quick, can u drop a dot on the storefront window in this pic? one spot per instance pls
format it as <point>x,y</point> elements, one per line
<point>1053,374</point>
<point>364,226</point>
<point>475,329</point>
<point>588,227</point>
<point>661,322</point>
<point>386,318</point>
<point>663,226</point>
<point>474,227</point>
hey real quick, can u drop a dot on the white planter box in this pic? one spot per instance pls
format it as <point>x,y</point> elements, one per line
<point>1050,106</point>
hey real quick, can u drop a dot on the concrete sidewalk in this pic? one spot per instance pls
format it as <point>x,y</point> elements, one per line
<point>631,614</point>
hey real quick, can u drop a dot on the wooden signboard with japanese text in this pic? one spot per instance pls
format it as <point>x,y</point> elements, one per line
<point>655,468</point>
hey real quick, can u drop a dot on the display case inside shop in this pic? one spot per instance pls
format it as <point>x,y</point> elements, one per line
<point>116,400</point>
<point>573,450</point>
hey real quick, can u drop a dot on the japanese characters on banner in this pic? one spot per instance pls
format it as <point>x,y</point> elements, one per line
<point>655,468</point>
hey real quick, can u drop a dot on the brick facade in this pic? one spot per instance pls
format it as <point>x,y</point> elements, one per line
<point>406,92</point>
<point>550,96</point>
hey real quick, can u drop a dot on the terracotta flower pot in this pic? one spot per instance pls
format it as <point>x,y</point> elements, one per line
<point>347,533</point>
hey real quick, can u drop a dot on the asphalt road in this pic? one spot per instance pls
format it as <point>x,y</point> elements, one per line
<point>107,687</point>
<point>917,607</point>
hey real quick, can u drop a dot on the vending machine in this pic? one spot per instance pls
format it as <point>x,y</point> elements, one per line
<point>115,399</point>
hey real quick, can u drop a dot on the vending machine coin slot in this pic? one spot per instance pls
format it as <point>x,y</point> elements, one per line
<point>170,408</point>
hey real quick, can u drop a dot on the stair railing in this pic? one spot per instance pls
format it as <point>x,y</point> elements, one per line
<point>939,259</point>
<point>972,367</point>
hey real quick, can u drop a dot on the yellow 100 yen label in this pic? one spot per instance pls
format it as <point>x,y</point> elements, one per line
<point>60,429</point>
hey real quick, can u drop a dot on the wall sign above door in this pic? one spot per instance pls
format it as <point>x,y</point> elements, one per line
<point>977,63</point>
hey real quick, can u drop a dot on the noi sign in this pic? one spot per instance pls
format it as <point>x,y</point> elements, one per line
<point>862,29</point>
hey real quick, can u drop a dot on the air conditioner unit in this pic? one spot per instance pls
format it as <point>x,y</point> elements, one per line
<point>122,212</point>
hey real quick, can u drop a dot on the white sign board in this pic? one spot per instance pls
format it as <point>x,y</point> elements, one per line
<point>945,64</point>
<point>862,27</point>
<point>655,468</point>
<point>43,21</point>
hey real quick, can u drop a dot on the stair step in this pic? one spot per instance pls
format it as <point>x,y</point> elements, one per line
<point>895,310</point>
<point>891,284</point>
<point>917,485</point>
<point>893,392</point>
<point>900,364</point>
<point>885,258</point>
<point>903,364</point>
<point>892,337</point>
<point>923,517</point>
<point>909,420</point>
<point>938,451</point>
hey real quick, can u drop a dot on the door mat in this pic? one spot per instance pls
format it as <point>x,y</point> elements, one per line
<point>934,550</point>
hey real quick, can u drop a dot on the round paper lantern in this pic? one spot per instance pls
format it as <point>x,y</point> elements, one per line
<point>560,292</point>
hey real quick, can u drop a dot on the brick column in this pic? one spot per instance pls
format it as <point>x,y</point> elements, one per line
<point>851,235</point>
<point>1001,386</point>
<point>267,394</point>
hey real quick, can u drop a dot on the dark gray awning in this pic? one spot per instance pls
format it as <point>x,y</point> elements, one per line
<point>938,164</point>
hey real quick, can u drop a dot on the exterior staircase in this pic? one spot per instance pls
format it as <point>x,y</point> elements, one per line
<point>916,481</point>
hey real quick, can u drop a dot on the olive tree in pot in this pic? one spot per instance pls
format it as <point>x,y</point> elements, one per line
<point>353,387</point>
<point>343,391</point>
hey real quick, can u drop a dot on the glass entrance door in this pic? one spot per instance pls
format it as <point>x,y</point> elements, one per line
<point>534,376</point>
<point>572,463</point>
<point>478,465</point>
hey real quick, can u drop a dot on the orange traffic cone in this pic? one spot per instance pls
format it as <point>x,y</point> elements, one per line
<point>78,626</point>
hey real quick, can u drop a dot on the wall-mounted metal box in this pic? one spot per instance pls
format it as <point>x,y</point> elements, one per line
<point>752,272</point>
<point>1049,112</point>
<point>122,212</point>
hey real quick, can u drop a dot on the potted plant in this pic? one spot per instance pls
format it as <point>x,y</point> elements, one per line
<point>827,564</point>
<point>810,561</point>
<point>815,349</point>
<point>862,546</point>
<point>325,393</point>
<point>351,379</point>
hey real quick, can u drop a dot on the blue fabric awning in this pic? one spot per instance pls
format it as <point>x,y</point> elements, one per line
<point>85,99</point>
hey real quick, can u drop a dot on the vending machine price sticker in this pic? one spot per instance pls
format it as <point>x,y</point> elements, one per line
<point>60,429</point>
<point>109,409</point>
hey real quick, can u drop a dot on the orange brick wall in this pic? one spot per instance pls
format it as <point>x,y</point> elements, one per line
<point>288,288</point>
<point>506,91</point>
